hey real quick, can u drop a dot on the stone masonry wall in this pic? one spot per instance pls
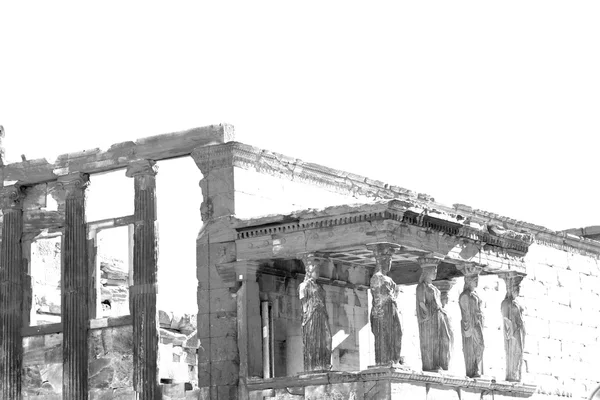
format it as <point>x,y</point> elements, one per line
<point>258,194</point>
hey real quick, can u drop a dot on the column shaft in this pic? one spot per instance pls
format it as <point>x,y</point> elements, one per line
<point>11,295</point>
<point>74,306</point>
<point>143,292</point>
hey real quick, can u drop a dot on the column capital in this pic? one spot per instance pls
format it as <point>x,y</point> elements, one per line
<point>141,168</point>
<point>513,281</point>
<point>383,248</point>
<point>429,260</point>
<point>74,183</point>
<point>444,285</point>
<point>469,269</point>
<point>11,197</point>
<point>383,253</point>
<point>311,260</point>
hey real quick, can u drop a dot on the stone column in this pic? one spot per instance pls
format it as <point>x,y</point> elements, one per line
<point>472,321</point>
<point>75,289</point>
<point>316,333</point>
<point>514,327</point>
<point>386,321</point>
<point>434,327</point>
<point>11,293</point>
<point>249,338</point>
<point>142,295</point>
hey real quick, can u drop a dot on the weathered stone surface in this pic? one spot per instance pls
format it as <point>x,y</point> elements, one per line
<point>386,322</point>
<point>434,328</point>
<point>11,291</point>
<point>472,322</point>
<point>316,333</point>
<point>111,358</point>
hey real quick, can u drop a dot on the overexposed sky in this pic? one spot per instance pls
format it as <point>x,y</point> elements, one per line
<point>494,105</point>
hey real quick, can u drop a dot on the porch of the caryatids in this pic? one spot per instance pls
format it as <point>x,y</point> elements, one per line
<point>386,320</point>
<point>514,327</point>
<point>471,321</point>
<point>316,332</point>
<point>434,326</point>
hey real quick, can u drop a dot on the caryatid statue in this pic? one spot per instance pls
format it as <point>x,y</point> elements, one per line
<point>434,327</point>
<point>316,334</point>
<point>514,328</point>
<point>386,322</point>
<point>471,322</point>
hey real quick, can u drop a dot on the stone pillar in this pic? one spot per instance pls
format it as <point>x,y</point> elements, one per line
<point>434,326</point>
<point>386,321</point>
<point>514,327</point>
<point>11,293</point>
<point>472,321</point>
<point>249,338</point>
<point>316,333</point>
<point>75,289</point>
<point>142,295</point>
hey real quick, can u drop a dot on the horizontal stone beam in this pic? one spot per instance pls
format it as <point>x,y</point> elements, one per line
<point>159,147</point>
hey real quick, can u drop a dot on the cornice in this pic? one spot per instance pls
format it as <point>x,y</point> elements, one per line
<point>403,212</point>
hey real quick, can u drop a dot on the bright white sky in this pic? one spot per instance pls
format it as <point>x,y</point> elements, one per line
<point>494,105</point>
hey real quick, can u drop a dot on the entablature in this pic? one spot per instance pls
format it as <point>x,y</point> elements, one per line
<point>341,233</point>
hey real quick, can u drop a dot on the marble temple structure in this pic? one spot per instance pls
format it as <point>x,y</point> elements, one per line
<point>312,283</point>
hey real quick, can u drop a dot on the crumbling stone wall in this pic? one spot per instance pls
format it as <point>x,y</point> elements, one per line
<point>42,366</point>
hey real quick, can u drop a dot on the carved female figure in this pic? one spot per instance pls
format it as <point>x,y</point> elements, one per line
<point>472,326</point>
<point>385,316</point>
<point>514,329</point>
<point>316,334</point>
<point>434,327</point>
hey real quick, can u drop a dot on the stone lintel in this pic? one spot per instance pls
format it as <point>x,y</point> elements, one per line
<point>159,147</point>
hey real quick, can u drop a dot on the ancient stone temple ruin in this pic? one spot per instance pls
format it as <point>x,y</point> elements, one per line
<point>312,283</point>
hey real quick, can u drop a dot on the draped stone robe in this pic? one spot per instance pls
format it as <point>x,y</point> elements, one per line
<point>514,338</point>
<point>316,334</point>
<point>386,322</point>
<point>434,328</point>
<point>472,332</point>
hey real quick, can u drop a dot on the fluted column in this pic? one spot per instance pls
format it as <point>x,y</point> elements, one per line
<point>11,293</point>
<point>514,327</point>
<point>434,327</point>
<point>316,333</point>
<point>472,321</point>
<point>386,321</point>
<point>142,295</point>
<point>75,275</point>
